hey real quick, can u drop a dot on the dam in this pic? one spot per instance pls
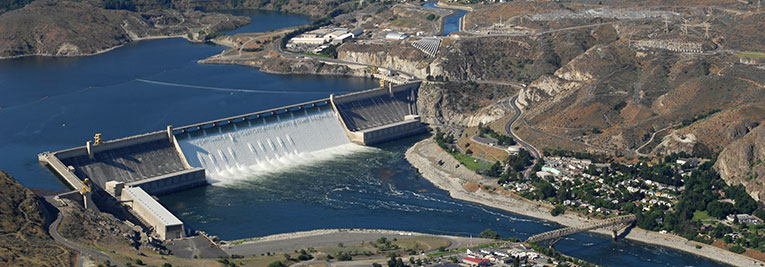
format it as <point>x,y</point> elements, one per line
<point>132,169</point>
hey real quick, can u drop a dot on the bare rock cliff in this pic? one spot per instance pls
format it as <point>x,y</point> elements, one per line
<point>419,68</point>
<point>460,104</point>
<point>741,162</point>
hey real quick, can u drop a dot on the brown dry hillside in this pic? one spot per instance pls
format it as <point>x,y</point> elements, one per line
<point>63,28</point>
<point>615,97</point>
<point>23,238</point>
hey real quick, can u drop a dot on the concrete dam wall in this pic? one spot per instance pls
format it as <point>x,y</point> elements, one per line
<point>239,146</point>
<point>263,144</point>
<point>379,115</point>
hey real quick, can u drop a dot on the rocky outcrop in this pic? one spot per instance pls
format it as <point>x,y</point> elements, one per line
<point>63,28</point>
<point>743,162</point>
<point>544,88</point>
<point>409,61</point>
<point>458,104</point>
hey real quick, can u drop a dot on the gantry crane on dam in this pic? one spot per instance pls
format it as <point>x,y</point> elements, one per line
<point>614,224</point>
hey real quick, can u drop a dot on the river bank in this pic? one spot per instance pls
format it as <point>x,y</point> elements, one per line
<point>425,154</point>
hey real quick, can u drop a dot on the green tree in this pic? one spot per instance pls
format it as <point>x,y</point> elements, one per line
<point>488,233</point>
<point>737,249</point>
<point>276,264</point>
<point>719,209</point>
<point>558,210</point>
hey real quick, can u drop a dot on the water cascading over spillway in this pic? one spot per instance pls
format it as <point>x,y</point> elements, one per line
<point>265,144</point>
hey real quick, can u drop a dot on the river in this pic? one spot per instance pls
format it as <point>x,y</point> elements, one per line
<point>48,104</point>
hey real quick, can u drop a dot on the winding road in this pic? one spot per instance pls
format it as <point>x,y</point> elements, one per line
<point>84,251</point>
<point>511,103</point>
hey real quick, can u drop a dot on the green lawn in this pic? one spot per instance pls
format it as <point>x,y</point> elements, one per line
<point>700,215</point>
<point>472,163</point>
<point>751,54</point>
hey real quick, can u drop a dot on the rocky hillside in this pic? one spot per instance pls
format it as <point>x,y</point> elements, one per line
<point>522,59</point>
<point>617,97</point>
<point>463,104</point>
<point>314,8</point>
<point>23,238</point>
<point>400,56</point>
<point>742,162</point>
<point>318,8</point>
<point>63,28</point>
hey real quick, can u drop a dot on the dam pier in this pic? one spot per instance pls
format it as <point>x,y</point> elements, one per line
<point>134,168</point>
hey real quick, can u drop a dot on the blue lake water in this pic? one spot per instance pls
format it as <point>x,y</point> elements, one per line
<point>265,20</point>
<point>47,104</point>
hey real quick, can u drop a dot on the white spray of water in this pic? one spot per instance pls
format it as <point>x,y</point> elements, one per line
<point>267,147</point>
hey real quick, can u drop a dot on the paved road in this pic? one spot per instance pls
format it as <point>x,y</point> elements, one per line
<point>653,135</point>
<point>328,239</point>
<point>84,251</point>
<point>509,129</point>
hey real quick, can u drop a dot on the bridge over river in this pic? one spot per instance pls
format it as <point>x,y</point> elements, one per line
<point>614,224</point>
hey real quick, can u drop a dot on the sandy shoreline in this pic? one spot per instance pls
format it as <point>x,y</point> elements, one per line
<point>424,154</point>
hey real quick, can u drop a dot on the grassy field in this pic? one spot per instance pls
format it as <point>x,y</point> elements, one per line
<point>472,163</point>
<point>700,215</point>
<point>751,55</point>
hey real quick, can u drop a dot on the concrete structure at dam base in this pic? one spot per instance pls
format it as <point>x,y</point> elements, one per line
<point>132,169</point>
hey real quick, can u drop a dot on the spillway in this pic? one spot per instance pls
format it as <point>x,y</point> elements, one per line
<point>263,145</point>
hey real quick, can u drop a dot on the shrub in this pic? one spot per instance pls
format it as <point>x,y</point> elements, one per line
<point>737,249</point>
<point>488,233</point>
<point>558,210</point>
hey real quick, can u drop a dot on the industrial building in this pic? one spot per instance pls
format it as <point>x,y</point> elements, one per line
<point>323,36</point>
<point>396,36</point>
<point>164,223</point>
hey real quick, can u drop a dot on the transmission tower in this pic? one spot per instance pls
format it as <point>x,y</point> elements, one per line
<point>706,29</point>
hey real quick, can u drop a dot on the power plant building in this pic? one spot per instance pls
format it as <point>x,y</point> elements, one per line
<point>165,224</point>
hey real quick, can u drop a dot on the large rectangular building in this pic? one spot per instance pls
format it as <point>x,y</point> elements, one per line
<point>165,224</point>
